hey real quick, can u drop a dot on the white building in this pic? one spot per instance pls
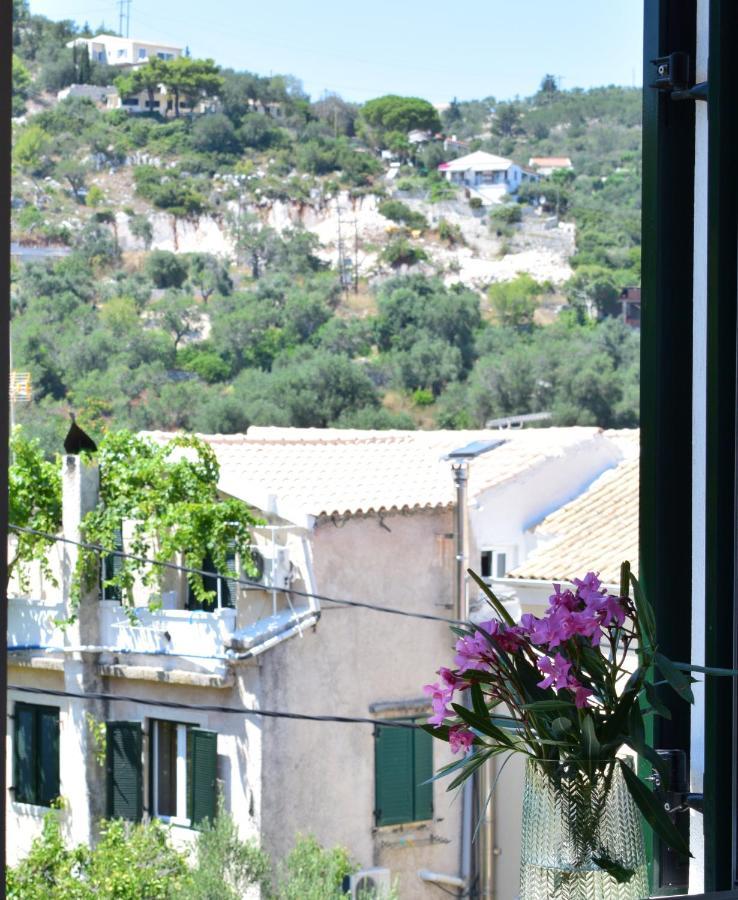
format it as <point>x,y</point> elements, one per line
<point>546,165</point>
<point>486,175</point>
<point>363,517</point>
<point>113,50</point>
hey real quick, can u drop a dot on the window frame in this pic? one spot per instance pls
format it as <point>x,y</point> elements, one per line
<point>379,820</point>
<point>497,550</point>
<point>182,772</point>
<point>36,710</point>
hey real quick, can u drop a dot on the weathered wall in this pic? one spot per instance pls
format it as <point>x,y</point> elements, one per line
<point>320,777</point>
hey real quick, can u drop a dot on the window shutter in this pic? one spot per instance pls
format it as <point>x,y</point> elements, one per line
<point>23,756</point>
<point>423,770</point>
<point>47,751</point>
<point>229,589</point>
<point>393,773</point>
<point>204,770</point>
<point>112,566</point>
<point>124,771</point>
<point>210,583</point>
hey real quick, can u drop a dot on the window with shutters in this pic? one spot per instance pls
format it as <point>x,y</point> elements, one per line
<point>224,589</point>
<point>403,762</point>
<point>124,749</point>
<point>111,567</point>
<point>36,754</point>
<point>182,772</point>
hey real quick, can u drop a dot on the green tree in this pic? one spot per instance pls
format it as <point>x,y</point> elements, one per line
<point>75,173</point>
<point>191,79</point>
<point>34,503</point>
<point>177,314</point>
<point>311,872</point>
<point>166,269</point>
<point>209,274</point>
<point>514,302</point>
<point>146,78</point>
<point>32,150</point>
<point>393,113</point>
<point>21,86</point>
<point>506,122</point>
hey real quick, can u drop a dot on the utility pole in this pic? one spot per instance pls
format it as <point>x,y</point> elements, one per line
<point>343,261</point>
<point>124,12</point>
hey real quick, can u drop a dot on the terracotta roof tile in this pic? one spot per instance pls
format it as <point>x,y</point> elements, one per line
<point>311,471</point>
<point>597,531</point>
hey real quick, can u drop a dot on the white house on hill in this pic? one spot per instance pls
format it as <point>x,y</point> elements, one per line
<point>113,50</point>
<point>487,175</point>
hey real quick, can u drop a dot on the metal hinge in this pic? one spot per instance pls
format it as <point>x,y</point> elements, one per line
<point>674,77</point>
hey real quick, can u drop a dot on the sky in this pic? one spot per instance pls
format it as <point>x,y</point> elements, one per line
<point>432,49</point>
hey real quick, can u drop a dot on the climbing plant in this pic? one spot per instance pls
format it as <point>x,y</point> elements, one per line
<point>35,502</point>
<point>166,498</point>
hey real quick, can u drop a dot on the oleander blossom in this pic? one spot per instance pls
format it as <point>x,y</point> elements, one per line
<point>569,688</point>
<point>558,645</point>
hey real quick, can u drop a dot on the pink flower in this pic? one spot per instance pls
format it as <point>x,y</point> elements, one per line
<point>561,626</point>
<point>566,599</point>
<point>589,587</point>
<point>460,738</point>
<point>581,693</point>
<point>556,671</point>
<point>588,625</point>
<point>537,629</point>
<point>473,652</point>
<point>440,698</point>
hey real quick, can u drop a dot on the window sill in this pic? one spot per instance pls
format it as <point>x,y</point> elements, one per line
<point>175,821</point>
<point>32,809</point>
<point>405,834</point>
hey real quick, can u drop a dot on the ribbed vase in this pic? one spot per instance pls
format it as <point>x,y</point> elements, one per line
<point>570,820</point>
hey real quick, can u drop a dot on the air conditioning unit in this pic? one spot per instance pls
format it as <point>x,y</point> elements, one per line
<point>273,572</point>
<point>368,884</point>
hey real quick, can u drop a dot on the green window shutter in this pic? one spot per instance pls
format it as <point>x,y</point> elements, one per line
<point>229,588</point>
<point>47,752</point>
<point>393,775</point>
<point>112,566</point>
<point>210,583</point>
<point>23,757</point>
<point>124,771</point>
<point>422,771</point>
<point>203,753</point>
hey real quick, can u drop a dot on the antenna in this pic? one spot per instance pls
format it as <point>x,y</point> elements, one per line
<point>124,12</point>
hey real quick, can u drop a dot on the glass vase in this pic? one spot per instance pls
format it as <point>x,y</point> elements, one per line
<point>574,823</point>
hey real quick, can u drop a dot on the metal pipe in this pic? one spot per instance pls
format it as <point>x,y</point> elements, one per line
<point>461,477</point>
<point>441,878</point>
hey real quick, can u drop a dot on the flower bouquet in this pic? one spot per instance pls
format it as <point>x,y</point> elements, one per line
<point>570,691</point>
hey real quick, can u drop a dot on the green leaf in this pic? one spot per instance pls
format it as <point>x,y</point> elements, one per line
<point>589,738</point>
<point>706,670</point>
<point>561,726</point>
<point>614,869</point>
<point>645,612</point>
<point>483,724</point>
<point>659,707</point>
<point>477,697</point>
<point>653,811</point>
<point>677,680</point>
<point>636,740</point>
<point>625,579</point>
<point>496,604</point>
<point>549,706</point>
<point>474,762</point>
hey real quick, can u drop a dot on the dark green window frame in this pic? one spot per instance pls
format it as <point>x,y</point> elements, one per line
<point>403,763</point>
<point>211,582</point>
<point>36,754</point>
<point>201,773</point>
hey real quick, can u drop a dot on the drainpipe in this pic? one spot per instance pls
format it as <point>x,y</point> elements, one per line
<point>461,612</point>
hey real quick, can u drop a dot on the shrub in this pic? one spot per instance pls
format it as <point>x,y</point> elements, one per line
<point>450,233</point>
<point>475,202</point>
<point>166,269</point>
<point>400,252</point>
<point>312,873</point>
<point>423,397</point>
<point>95,196</point>
<point>397,211</point>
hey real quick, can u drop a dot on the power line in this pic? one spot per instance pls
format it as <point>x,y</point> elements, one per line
<point>246,583</point>
<point>172,704</point>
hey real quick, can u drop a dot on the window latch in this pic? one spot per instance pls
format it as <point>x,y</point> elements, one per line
<point>678,797</point>
<point>674,77</point>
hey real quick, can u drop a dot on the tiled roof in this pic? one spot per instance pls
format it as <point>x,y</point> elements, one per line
<point>597,531</point>
<point>299,472</point>
<point>561,161</point>
<point>479,161</point>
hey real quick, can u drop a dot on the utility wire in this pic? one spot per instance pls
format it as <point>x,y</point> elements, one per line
<point>248,584</point>
<point>172,704</point>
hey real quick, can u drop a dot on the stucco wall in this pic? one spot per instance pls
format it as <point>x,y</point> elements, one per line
<point>320,777</point>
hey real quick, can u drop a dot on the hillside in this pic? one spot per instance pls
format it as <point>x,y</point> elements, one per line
<point>282,261</point>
